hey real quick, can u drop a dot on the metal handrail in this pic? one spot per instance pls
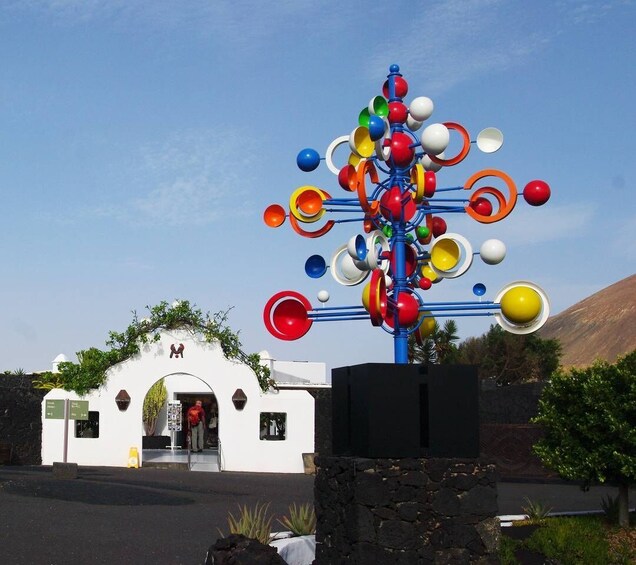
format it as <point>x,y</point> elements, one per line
<point>189,449</point>
<point>219,458</point>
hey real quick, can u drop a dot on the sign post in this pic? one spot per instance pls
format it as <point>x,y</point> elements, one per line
<point>66,410</point>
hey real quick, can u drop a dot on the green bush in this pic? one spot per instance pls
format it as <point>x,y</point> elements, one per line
<point>571,541</point>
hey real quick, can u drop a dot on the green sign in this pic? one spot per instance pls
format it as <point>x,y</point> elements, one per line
<point>54,409</point>
<point>78,410</point>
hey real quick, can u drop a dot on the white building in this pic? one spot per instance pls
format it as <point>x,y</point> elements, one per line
<point>268,434</point>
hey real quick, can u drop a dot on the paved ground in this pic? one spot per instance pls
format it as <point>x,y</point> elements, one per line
<point>152,516</point>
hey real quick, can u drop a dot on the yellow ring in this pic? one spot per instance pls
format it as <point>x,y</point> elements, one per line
<point>417,178</point>
<point>293,207</point>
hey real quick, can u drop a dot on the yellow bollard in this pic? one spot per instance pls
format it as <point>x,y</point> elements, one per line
<point>133,458</point>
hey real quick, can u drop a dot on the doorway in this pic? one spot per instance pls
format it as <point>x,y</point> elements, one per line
<point>211,408</point>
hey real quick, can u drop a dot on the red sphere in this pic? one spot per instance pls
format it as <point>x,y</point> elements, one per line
<point>398,112</point>
<point>401,152</point>
<point>430,183</point>
<point>391,204</point>
<point>401,88</point>
<point>425,283</point>
<point>536,192</point>
<point>482,206</point>
<point>408,309</point>
<point>410,261</point>
<point>347,177</point>
<point>439,226</point>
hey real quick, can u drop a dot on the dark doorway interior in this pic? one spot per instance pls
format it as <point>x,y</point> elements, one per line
<point>211,408</point>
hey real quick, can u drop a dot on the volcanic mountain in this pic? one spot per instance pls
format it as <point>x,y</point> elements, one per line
<point>602,326</point>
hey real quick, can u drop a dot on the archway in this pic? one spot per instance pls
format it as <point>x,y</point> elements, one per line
<point>170,448</point>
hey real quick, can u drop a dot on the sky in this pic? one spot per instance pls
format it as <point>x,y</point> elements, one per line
<point>141,141</point>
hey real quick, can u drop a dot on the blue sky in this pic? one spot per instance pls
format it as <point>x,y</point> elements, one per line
<point>140,142</point>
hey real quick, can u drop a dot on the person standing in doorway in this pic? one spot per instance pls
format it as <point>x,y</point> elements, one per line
<point>196,421</point>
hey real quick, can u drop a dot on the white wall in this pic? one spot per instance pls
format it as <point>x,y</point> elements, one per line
<point>203,369</point>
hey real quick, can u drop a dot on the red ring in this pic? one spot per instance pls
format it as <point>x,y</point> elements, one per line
<point>276,300</point>
<point>377,297</point>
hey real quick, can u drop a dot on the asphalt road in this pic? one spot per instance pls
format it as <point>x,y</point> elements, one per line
<point>151,516</point>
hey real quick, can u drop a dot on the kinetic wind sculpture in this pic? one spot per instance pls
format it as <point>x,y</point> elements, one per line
<point>391,178</point>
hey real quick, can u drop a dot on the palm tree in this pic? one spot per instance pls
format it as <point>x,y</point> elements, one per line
<point>438,348</point>
<point>444,340</point>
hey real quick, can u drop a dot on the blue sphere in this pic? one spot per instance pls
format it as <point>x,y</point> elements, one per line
<point>394,68</point>
<point>376,127</point>
<point>308,159</point>
<point>315,266</point>
<point>479,289</point>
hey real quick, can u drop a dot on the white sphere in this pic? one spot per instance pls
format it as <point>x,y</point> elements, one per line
<point>429,165</point>
<point>435,138</point>
<point>421,108</point>
<point>492,251</point>
<point>323,296</point>
<point>348,268</point>
<point>412,124</point>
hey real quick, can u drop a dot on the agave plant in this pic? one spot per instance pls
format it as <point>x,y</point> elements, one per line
<point>301,520</point>
<point>536,510</point>
<point>252,523</point>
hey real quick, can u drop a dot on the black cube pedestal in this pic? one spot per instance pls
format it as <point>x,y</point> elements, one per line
<point>387,410</point>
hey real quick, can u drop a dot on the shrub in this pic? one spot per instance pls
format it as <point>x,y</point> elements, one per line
<point>571,541</point>
<point>301,520</point>
<point>609,504</point>
<point>536,510</point>
<point>252,523</point>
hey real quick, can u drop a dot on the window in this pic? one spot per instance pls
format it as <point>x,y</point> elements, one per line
<point>273,426</point>
<point>88,428</point>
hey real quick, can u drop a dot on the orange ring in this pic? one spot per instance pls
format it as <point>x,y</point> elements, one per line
<point>372,208</point>
<point>505,206</point>
<point>319,233</point>
<point>462,154</point>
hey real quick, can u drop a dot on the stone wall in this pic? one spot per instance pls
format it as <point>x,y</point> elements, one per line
<point>405,511</point>
<point>322,420</point>
<point>20,419</point>
<point>512,404</point>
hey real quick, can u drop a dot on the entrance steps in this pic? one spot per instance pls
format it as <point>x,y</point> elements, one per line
<point>177,459</point>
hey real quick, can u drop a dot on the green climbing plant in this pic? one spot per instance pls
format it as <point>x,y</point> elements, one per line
<point>153,403</point>
<point>90,371</point>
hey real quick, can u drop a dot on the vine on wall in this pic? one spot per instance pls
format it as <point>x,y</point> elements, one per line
<point>90,371</point>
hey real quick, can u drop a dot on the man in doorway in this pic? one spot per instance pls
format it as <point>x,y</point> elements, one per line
<point>196,421</point>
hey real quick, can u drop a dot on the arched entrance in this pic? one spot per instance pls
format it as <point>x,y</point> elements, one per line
<point>173,429</point>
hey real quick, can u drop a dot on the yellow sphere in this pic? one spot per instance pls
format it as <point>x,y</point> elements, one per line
<point>366,292</point>
<point>445,254</point>
<point>429,273</point>
<point>427,326</point>
<point>521,305</point>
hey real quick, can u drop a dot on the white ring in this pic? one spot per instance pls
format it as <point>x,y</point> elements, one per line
<point>372,259</point>
<point>332,147</point>
<point>465,265</point>
<point>338,277</point>
<point>532,326</point>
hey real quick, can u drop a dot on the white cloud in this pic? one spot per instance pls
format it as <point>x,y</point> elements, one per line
<point>193,178</point>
